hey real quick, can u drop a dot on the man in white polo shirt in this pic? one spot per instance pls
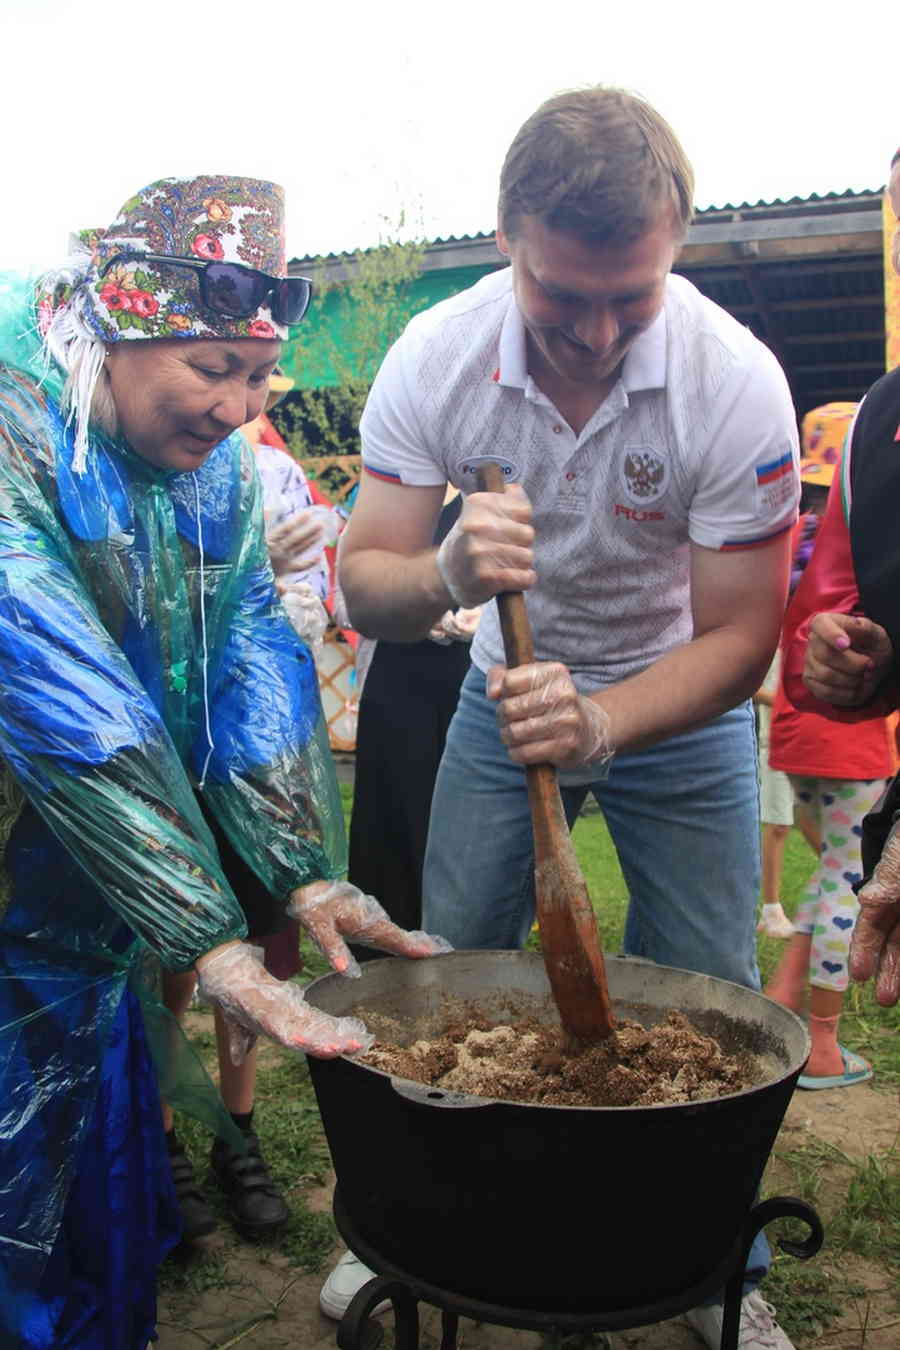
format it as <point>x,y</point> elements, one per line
<point>649,447</point>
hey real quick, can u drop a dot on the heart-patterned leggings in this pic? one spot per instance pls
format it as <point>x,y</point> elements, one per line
<point>828,907</point>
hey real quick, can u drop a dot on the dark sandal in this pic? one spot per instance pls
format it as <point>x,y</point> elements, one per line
<point>257,1207</point>
<point>197,1218</point>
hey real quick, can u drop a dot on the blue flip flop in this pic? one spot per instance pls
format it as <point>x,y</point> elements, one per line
<point>856,1070</point>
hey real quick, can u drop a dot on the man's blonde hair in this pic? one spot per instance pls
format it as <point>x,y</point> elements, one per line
<point>599,163</point>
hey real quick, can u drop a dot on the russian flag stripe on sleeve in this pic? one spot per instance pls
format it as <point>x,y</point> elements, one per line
<point>386,475</point>
<point>776,468</point>
<point>732,545</point>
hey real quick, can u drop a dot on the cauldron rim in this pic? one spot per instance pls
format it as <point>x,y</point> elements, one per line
<point>427,1095</point>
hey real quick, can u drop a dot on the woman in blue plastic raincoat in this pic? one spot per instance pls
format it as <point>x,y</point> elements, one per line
<point>144,658</point>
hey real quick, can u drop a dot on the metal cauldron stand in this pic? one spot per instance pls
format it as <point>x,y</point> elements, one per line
<point>358,1330</point>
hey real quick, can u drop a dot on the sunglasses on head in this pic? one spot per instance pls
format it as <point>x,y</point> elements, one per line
<point>233,290</point>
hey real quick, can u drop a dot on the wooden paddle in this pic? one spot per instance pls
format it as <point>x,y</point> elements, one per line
<point>566,920</point>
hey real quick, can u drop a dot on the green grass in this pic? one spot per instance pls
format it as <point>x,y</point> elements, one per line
<point>809,1296</point>
<point>858,1202</point>
<point>865,1220</point>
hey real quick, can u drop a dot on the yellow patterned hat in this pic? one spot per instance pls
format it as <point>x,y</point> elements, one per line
<point>823,432</point>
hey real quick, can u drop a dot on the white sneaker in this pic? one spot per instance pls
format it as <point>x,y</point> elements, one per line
<point>758,1329</point>
<point>346,1280</point>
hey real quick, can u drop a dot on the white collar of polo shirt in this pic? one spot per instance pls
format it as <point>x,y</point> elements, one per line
<point>645,360</point>
<point>512,355</point>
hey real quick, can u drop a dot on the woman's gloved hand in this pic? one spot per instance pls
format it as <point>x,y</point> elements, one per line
<point>334,913</point>
<point>255,1004</point>
<point>875,948</point>
<point>308,616</point>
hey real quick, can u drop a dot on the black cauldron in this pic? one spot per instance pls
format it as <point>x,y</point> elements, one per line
<point>550,1207</point>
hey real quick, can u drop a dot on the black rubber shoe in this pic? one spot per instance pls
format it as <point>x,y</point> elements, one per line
<point>197,1218</point>
<point>257,1207</point>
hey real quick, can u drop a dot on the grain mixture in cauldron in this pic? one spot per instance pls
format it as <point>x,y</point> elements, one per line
<point>529,1062</point>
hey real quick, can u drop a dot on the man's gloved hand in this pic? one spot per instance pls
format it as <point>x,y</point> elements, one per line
<point>847,657</point>
<point>489,548</point>
<point>334,913</point>
<point>544,720</point>
<point>255,1004</point>
<point>875,948</point>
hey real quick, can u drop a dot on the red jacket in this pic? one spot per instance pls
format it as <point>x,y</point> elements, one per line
<point>808,737</point>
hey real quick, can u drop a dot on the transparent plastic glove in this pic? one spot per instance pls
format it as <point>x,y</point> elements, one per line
<point>305,610</point>
<point>255,1004</point>
<point>297,543</point>
<point>544,720</point>
<point>334,911</point>
<point>489,548</point>
<point>331,520</point>
<point>456,626</point>
<point>847,657</point>
<point>341,617</point>
<point>875,948</point>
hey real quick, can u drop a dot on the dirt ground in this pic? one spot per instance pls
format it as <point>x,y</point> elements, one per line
<point>274,1308</point>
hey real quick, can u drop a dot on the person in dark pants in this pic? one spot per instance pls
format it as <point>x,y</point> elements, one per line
<point>408,699</point>
<point>409,696</point>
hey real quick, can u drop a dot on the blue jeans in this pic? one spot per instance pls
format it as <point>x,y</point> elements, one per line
<point>683,815</point>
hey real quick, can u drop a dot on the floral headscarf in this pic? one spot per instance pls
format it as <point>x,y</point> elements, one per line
<point>210,219</point>
<point>83,305</point>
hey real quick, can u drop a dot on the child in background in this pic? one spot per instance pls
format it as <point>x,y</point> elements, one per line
<point>838,766</point>
<point>298,529</point>
<point>823,435</point>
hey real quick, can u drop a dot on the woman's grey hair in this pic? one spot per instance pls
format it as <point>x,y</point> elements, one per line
<point>81,355</point>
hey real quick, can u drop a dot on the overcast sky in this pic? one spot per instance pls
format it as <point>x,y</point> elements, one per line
<point>365,110</point>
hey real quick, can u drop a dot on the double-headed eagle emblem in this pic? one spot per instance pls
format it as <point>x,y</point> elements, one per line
<point>644,474</point>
